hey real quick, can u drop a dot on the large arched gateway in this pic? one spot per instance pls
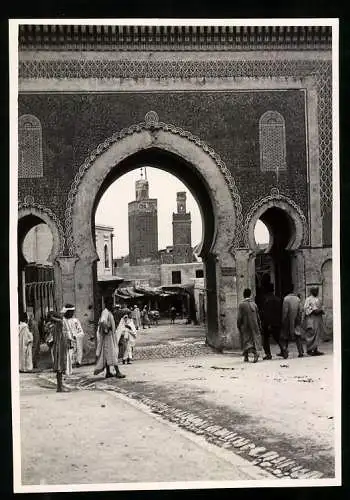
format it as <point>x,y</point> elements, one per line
<point>155,143</point>
<point>244,119</point>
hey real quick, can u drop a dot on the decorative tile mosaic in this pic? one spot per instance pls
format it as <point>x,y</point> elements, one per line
<point>272,137</point>
<point>30,152</point>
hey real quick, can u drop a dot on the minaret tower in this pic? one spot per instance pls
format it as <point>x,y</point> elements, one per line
<point>143,225</point>
<point>182,244</point>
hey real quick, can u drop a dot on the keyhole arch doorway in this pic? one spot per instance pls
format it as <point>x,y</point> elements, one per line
<point>198,170</point>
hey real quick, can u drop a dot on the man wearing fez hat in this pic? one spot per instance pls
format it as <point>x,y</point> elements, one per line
<point>77,334</point>
<point>67,311</point>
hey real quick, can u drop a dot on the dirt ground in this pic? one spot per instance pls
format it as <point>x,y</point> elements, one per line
<point>293,397</point>
<point>285,405</point>
<point>97,437</point>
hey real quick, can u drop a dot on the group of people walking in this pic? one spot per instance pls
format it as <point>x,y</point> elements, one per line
<point>283,320</point>
<point>117,332</point>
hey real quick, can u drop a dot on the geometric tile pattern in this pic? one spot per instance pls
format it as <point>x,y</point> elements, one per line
<point>272,138</point>
<point>98,68</point>
<point>30,152</point>
<point>38,208</point>
<point>324,84</point>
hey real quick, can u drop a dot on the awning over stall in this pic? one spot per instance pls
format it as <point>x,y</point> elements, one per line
<point>108,284</point>
<point>127,293</point>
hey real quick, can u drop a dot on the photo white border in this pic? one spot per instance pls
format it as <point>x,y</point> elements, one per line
<point>13,78</point>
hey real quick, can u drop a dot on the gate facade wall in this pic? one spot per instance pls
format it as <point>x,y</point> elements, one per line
<point>204,94</point>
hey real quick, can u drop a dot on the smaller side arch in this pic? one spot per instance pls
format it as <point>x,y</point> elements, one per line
<point>26,209</point>
<point>277,200</point>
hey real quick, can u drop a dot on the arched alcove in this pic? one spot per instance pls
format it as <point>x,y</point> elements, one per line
<point>198,167</point>
<point>274,262</point>
<point>40,240</point>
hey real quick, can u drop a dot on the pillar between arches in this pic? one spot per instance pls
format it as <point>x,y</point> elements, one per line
<point>66,279</point>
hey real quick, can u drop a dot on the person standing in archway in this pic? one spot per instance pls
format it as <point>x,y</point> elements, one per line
<point>271,315</point>
<point>107,342</point>
<point>25,338</point>
<point>313,321</point>
<point>291,322</point>
<point>249,326</point>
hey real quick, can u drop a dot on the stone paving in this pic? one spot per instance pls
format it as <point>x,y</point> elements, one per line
<point>215,383</point>
<point>226,432</point>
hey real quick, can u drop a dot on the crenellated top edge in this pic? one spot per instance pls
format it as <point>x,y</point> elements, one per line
<point>112,37</point>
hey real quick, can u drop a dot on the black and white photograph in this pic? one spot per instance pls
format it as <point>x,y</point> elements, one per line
<point>174,254</point>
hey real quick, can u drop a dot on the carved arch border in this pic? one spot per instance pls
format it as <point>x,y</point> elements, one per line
<point>150,123</point>
<point>29,207</point>
<point>276,199</point>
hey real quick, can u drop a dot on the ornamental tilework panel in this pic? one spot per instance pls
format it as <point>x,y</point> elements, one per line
<point>272,139</point>
<point>227,121</point>
<point>321,70</point>
<point>30,153</point>
<point>325,135</point>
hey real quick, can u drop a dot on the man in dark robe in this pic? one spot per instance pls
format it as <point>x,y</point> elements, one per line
<point>271,316</point>
<point>249,326</point>
<point>60,347</point>
<point>118,313</point>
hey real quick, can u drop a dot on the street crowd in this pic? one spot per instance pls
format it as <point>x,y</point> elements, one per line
<point>284,320</point>
<point>116,337</point>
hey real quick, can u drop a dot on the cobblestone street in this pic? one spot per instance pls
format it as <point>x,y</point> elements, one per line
<point>269,420</point>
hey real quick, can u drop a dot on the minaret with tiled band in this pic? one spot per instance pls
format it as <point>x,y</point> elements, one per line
<point>143,225</point>
<point>182,244</point>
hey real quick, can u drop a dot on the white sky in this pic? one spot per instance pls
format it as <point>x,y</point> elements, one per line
<point>113,209</point>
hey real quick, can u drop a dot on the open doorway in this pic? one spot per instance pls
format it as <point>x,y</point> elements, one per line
<point>174,221</point>
<point>274,235</point>
<point>149,222</point>
<point>36,282</point>
<point>204,174</point>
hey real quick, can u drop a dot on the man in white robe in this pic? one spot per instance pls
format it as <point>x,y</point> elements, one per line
<point>68,311</point>
<point>127,330</point>
<point>136,317</point>
<point>25,345</point>
<point>313,322</point>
